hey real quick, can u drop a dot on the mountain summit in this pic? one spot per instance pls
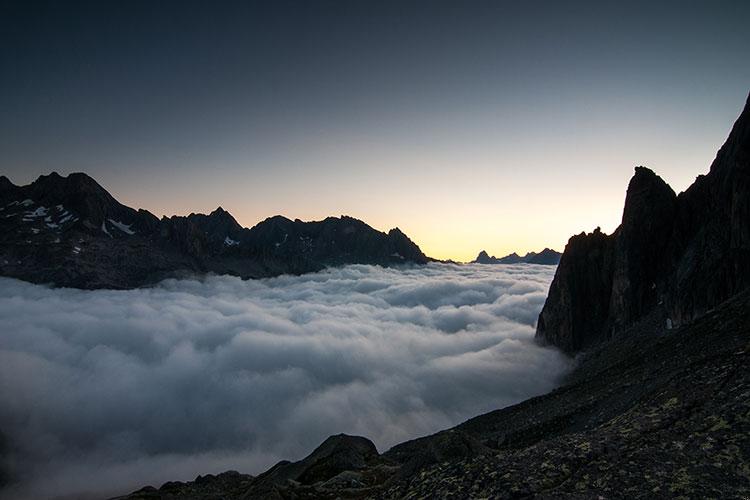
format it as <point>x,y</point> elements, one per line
<point>69,231</point>
<point>672,259</point>
<point>546,257</point>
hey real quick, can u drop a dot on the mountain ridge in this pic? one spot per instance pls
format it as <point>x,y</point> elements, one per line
<point>547,256</point>
<point>70,231</point>
<point>673,256</point>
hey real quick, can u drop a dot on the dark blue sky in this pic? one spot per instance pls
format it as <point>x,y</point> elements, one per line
<point>506,125</point>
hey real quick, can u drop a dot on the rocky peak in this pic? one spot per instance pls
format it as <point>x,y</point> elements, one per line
<point>337,454</point>
<point>484,258</point>
<point>672,257</point>
<point>404,248</point>
<point>545,257</point>
<point>218,225</point>
<point>734,155</point>
<point>647,195</point>
<point>80,194</point>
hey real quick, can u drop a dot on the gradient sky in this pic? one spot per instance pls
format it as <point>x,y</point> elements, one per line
<point>505,126</point>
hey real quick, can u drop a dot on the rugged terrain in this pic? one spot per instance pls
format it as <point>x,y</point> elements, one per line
<point>69,231</point>
<point>676,256</point>
<point>547,257</point>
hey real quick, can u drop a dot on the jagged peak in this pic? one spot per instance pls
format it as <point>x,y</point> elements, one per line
<point>736,146</point>
<point>647,192</point>
<point>220,213</point>
<point>74,180</point>
<point>51,176</point>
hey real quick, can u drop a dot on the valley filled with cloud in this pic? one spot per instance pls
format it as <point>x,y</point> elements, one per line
<point>116,389</point>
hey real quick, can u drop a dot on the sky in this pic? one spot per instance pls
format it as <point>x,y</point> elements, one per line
<point>504,126</point>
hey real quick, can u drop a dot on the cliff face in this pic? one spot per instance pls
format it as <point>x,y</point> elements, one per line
<point>577,307</point>
<point>673,258</point>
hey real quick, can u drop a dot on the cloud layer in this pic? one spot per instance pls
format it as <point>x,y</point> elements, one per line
<point>104,391</point>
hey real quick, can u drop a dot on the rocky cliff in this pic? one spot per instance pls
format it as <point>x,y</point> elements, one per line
<point>673,257</point>
<point>69,231</point>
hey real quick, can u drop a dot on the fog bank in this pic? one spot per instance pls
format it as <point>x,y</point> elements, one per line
<point>106,391</point>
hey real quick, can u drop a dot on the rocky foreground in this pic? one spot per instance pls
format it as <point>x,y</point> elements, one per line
<point>660,414</point>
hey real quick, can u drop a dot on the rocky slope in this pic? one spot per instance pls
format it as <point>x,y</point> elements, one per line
<point>69,231</point>
<point>673,256</point>
<point>545,257</point>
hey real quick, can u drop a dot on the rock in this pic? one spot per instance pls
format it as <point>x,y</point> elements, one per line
<point>641,255</point>
<point>484,258</point>
<point>672,256</point>
<point>331,466</point>
<point>335,455</point>
<point>577,307</point>
<point>545,257</point>
<point>69,231</point>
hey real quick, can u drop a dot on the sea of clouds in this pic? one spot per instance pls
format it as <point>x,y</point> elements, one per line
<point>105,391</point>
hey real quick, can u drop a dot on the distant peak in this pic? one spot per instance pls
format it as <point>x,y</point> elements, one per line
<point>77,182</point>
<point>276,219</point>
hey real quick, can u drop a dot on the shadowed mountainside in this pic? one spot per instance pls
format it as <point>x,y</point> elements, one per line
<point>69,231</point>
<point>673,256</point>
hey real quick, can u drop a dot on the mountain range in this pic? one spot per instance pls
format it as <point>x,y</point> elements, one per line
<point>69,231</point>
<point>546,257</point>
<point>658,406</point>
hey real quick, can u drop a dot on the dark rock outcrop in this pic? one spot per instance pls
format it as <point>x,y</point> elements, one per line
<point>672,258</point>
<point>335,455</point>
<point>230,484</point>
<point>69,231</point>
<point>547,257</point>
<point>577,306</point>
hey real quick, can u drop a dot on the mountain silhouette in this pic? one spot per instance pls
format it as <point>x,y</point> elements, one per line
<point>69,231</point>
